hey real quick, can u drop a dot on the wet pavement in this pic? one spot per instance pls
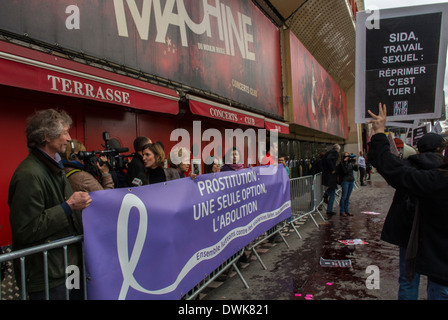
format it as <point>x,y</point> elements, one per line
<point>296,273</point>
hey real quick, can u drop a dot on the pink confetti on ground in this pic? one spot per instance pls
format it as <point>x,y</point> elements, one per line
<point>307,297</point>
<point>329,283</point>
<point>352,242</point>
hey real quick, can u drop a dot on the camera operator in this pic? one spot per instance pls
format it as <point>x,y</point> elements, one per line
<point>79,179</point>
<point>347,181</point>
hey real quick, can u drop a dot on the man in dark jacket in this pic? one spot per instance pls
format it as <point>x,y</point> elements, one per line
<point>329,175</point>
<point>317,165</point>
<point>43,206</point>
<point>426,251</point>
<point>398,225</point>
<point>136,169</point>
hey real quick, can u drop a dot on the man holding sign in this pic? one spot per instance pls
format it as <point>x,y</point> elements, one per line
<point>426,250</point>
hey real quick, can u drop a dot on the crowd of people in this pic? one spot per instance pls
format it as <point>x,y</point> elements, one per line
<point>338,170</point>
<point>50,188</point>
<point>416,221</point>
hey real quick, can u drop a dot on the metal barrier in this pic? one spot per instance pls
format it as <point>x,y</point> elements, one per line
<point>227,265</point>
<point>306,197</point>
<point>318,193</point>
<point>270,234</point>
<point>44,249</point>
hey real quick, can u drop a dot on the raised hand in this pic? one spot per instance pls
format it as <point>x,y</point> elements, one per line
<point>379,121</point>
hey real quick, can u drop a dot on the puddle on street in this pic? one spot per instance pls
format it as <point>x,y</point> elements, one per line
<point>322,282</point>
<point>297,274</point>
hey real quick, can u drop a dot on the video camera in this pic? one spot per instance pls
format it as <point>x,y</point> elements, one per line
<point>115,160</point>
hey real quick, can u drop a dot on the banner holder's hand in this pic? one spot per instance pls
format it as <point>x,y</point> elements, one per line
<point>379,121</point>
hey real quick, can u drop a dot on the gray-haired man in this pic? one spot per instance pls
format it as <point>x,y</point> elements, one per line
<point>43,206</point>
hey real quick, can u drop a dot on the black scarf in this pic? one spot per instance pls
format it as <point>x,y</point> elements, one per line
<point>155,175</point>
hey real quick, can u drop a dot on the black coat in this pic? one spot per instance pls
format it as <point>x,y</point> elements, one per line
<point>430,189</point>
<point>136,169</point>
<point>345,171</point>
<point>329,161</point>
<point>398,224</point>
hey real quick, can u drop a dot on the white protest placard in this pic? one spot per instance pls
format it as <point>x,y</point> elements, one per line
<point>400,62</point>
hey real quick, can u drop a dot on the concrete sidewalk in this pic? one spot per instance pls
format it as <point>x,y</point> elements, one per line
<point>296,273</point>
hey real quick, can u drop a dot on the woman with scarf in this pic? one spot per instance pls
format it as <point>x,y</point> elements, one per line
<point>347,181</point>
<point>232,160</point>
<point>154,161</point>
<point>212,165</point>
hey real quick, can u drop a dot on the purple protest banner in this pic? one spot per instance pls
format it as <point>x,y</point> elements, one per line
<point>159,241</point>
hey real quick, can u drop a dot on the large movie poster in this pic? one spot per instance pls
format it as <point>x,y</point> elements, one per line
<point>318,102</point>
<point>225,47</point>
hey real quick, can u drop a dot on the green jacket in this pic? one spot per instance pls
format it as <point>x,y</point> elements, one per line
<point>37,191</point>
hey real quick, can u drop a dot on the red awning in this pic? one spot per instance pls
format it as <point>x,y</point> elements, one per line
<point>281,127</point>
<point>223,112</point>
<point>24,68</point>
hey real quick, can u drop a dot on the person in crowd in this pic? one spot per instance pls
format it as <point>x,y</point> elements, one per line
<point>232,160</point>
<point>212,165</point>
<point>282,161</point>
<point>179,162</point>
<point>271,155</point>
<point>317,166</point>
<point>79,179</point>
<point>400,146</point>
<point>136,168</point>
<point>362,168</point>
<point>426,248</point>
<point>329,176</point>
<point>43,206</point>
<point>398,224</point>
<point>368,169</point>
<point>347,181</point>
<point>154,161</point>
